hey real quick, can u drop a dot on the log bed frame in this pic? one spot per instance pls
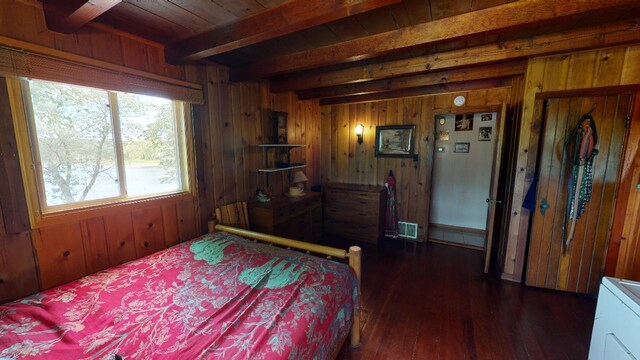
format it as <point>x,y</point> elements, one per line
<point>354,255</point>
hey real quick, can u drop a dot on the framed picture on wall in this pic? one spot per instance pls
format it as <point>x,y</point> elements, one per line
<point>395,141</point>
<point>464,122</point>
<point>461,147</point>
<point>484,133</point>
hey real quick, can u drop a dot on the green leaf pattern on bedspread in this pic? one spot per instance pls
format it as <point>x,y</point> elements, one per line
<point>215,297</point>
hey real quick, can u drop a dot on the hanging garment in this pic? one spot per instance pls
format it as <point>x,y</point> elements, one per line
<point>580,150</point>
<point>391,228</point>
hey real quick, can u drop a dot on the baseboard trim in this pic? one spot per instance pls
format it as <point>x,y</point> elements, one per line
<point>466,246</point>
<point>457,228</point>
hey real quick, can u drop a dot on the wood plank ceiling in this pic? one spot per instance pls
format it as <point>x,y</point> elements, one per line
<point>344,50</point>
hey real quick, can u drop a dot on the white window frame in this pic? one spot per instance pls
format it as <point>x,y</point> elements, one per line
<point>181,117</point>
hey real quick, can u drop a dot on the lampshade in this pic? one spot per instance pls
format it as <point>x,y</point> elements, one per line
<point>359,129</point>
<point>299,177</point>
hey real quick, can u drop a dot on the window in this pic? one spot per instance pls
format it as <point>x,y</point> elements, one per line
<point>94,146</point>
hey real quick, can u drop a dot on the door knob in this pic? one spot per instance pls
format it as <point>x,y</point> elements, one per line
<point>544,205</point>
<point>489,200</point>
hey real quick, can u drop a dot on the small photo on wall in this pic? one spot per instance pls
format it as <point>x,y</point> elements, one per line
<point>461,147</point>
<point>464,122</point>
<point>486,117</point>
<point>484,133</point>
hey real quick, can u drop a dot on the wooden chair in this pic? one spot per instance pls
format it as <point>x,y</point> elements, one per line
<point>235,215</point>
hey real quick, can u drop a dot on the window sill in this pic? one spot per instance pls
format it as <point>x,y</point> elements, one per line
<point>77,214</point>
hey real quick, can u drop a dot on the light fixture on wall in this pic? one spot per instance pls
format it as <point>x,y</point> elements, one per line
<point>359,132</point>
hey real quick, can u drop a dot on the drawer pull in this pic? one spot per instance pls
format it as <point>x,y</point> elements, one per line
<point>146,244</point>
<point>66,253</point>
<point>121,243</point>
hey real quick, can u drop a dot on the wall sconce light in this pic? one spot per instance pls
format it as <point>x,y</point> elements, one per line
<point>359,132</point>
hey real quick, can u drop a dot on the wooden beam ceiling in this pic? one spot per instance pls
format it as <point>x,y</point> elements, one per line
<point>574,40</point>
<point>67,16</point>
<point>435,78</point>
<point>287,18</point>
<point>495,20</point>
<point>421,91</point>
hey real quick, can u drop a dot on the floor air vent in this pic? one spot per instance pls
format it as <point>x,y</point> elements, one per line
<point>407,230</point>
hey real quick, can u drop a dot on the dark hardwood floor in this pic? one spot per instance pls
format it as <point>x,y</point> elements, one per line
<point>435,303</point>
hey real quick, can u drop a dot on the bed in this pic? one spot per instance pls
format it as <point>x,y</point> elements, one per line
<point>219,296</point>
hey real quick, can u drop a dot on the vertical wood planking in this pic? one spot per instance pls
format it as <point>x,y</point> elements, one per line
<point>64,258</point>
<point>95,244</point>
<point>148,230</point>
<point>120,240</point>
<point>186,220</point>
<point>170,225</point>
<point>18,273</point>
<point>347,161</point>
<point>16,214</point>
<point>585,70</point>
<point>623,246</point>
<point>578,269</point>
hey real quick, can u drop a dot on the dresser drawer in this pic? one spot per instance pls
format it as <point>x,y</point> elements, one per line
<point>298,218</point>
<point>349,231</point>
<point>354,212</point>
<point>285,213</point>
<point>362,217</point>
<point>351,199</point>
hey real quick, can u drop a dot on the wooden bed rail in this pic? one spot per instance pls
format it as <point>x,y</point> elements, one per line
<point>354,254</point>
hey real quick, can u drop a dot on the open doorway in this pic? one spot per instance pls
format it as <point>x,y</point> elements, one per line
<point>463,179</point>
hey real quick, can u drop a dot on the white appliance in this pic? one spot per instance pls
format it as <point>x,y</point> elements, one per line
<point>616,329</point>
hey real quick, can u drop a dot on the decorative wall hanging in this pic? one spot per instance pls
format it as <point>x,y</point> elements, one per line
<point>391,224</point>
<point>395,141</point>
<point>580,150</point>
<point>279,120</point>
<point>484,133</point>
<point>461,147</point>
<point>486,117</point>
<point>464,122</point>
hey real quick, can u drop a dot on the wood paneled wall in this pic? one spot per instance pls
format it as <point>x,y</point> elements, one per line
<point>344,160</point>
<point>87,242</point>
<point>581,70</point>
<point>64,248</point>
<point>18,275</point>
<point>24,20</point>
<point>623,258</point>
<point>228,130</point>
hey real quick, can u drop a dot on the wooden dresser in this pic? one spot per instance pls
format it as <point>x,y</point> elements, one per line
<point>355,211</point>
<point>298,218</point>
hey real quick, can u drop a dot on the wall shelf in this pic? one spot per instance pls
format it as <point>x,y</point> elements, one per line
<point>281,145</point>
<point>272,170</point>
<point>285,150</point>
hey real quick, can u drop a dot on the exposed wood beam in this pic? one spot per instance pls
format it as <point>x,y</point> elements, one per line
<point>574,40</point>
<point>67,16</point>
<point>421,91</point>
<point>287,18</point>
<point>435,78</point>
<point>494,20</point>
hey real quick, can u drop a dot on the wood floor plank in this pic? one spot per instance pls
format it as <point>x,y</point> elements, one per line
<point>436,303</point>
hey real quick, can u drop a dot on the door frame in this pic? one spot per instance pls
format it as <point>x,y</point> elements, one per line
<point>624,193</point>
<point>501,111</point>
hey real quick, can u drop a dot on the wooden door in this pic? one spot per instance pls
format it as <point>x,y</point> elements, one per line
<point>579,268</point>
<point>494,198</point>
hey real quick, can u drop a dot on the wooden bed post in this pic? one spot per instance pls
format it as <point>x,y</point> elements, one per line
<point>354,261</point>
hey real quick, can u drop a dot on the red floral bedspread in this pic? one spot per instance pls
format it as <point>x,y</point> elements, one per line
<point>215,297</point>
